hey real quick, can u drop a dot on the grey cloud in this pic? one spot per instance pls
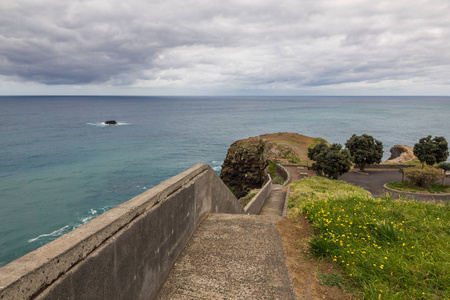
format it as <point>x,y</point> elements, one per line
<point>235,44</point>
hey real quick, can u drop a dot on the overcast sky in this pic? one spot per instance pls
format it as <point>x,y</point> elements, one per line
<point>261,47</point>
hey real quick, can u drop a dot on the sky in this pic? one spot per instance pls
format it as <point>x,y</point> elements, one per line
<point>228,47</point>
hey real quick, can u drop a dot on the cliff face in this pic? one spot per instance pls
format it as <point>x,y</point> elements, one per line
<point>246,161</point>
<point>243,168</point>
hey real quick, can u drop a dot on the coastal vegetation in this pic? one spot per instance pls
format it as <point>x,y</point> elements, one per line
<point>431,151</point>
<point>247,199</point>
<point>330,161</point>
<point>386,248</point>
<point>365,150</point>
<point>317,141</point>
<point>422,177</point>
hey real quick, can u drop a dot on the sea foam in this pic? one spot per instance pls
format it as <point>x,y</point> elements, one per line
<point>93,213</point>
<point>102,124</point>
<point>216,165</point>
<point>55,233</point>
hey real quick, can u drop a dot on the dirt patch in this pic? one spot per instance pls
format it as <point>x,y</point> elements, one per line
<point>303,269</point>
<point>297,142</point>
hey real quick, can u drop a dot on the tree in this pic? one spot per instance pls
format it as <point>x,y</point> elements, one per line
<point>431,151</point>
<point>402,170</point>
<point>365,150</point>
<point>330,161</point>
<point>445,166</point>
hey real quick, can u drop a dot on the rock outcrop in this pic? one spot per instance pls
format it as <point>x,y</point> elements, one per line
<point>111,122</point>
<point>243,168</point>
<point>401,154</point>
<point>247,159</point>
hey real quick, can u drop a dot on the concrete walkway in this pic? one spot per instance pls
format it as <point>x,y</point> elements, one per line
<point>233,257</point>
<point>275,204</point>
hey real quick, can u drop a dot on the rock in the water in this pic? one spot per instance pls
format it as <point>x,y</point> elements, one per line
<point>401,154</point>
<point>111,122</point>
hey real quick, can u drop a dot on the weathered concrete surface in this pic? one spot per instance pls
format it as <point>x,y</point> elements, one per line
<point>231,257</point>
<point>126,252</point>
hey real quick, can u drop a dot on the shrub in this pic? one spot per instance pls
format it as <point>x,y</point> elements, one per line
<point>422,177</point>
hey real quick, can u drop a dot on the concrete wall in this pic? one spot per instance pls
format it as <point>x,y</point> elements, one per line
<point>125,253</point>
<point>284,173</point>
<point>286,202</point>
<point>255,205</point>
<point>385,166</point>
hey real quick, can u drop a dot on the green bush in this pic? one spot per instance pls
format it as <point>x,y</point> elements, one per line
<point>422,177</point>
<point>330,161</point>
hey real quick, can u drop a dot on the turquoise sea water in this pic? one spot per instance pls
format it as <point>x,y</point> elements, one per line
<point>60,166</point>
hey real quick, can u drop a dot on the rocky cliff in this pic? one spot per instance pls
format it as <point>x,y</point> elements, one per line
<point>401,154</point>
<point>243,168</point>
<point>247,159</point>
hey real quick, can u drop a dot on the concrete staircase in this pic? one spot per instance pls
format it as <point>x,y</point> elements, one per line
<point>233,257</point>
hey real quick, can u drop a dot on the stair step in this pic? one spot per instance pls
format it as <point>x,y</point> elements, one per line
<point>231,257</point>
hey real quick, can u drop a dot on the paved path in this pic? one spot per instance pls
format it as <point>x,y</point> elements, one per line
<point>233,257</point>
<point>275,203</point>
<point>374,181</point>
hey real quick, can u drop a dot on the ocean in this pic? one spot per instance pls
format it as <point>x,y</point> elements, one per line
<point>60,166</point>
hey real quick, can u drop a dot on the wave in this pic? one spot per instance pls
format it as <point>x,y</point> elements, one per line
<point>55,233</point>
<point>91,214</point>
<point>216,165</point>
<point>102,124</point>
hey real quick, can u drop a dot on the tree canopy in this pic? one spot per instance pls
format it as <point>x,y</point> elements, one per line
<point>365,150</point>
<point>330,161</point>
<point>431,151</point>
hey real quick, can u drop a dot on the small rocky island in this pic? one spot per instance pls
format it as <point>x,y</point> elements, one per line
<point>111,122</point>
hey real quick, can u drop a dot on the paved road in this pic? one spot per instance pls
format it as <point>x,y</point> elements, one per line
<point>374,181</point>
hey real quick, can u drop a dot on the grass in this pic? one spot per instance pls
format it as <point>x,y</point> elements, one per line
<point>248,199</point>
<point>317,141</point>
<point>414,162</point>
<point>332,280</point>
<point>386,248</point>
<point>407,186</point>
<point>272,169</point>
<point>292,159</point>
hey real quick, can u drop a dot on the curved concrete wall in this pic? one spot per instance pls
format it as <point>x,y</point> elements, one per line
<point>125,253</point>
<point>284,173</point>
